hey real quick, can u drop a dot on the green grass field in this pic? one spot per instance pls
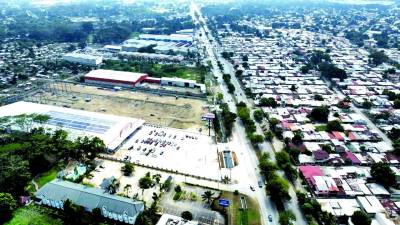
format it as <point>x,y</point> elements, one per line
<point>158,70</point>
<point>33,215</point>
<point>46,177</point>
<point>236,216</point>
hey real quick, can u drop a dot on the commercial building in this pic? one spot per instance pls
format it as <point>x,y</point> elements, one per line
<point>167,38</point>
<point>55,193</point>
<point>84,59</point>
<point>113,130</point>
<point>114,78</point>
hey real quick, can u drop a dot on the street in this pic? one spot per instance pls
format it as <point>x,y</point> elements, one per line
<point>239,137</point>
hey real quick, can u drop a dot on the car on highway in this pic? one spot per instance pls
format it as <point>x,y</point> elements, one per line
<point>269,218</point>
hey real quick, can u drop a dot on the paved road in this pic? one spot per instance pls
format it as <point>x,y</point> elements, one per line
<point>239,136</point>
<point>366,119</point>
<point>239,139</point>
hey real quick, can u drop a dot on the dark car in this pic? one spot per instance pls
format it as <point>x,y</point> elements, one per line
<point>252,188</point>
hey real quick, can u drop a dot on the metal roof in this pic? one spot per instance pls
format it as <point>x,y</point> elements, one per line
<point>89,198</point>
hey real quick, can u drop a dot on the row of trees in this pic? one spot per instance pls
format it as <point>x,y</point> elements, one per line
<point>227,80</point>
<point>228,118</point>
<point>277,187</point>
<point>250,127</point>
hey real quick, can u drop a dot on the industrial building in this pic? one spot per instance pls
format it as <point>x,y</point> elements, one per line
<point>113,130</point>
<point>84,59</point>
<point>179,82</point>
<point>114,78</point>
<point>121,209</point>
<point>167,38</point>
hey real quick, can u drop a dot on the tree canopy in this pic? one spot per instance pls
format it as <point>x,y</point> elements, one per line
<point>382,173</point>
<point>360,218</point>
<point>320,113</point>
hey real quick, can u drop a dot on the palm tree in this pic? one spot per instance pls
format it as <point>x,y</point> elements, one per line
<point>145,183</point>
<point>226,180</point>
<point>113,186</point>
<point>127,189</point>
<point>208,197</point>
<point>157,178</point>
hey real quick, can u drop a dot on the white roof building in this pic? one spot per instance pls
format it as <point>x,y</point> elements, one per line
<point>113,130</point>
<point>83,59</point>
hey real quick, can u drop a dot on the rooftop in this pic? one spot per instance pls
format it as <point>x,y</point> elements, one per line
<point>115,75</point>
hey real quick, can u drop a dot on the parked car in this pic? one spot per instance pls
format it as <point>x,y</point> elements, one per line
<point>269,218</point>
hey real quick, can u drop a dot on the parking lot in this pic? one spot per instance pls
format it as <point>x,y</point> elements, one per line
<point>201,211</point>
<point>174,150</point>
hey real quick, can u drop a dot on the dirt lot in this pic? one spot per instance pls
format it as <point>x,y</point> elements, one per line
<point>182,113</point>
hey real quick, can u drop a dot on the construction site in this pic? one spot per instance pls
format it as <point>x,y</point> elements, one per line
<point>169,111</point>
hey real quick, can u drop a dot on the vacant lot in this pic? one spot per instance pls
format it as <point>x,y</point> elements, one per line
<point>169,111</point>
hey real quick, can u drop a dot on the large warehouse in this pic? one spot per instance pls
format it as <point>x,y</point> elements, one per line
<point>116,78</point>
<point>83,59</point>
<point>113,130</point>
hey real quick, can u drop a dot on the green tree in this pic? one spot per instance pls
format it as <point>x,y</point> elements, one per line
<point>396,103</point>
<point>7,206</point>
<point>113,186</point>
<point>320,114</point>
<point>208,197</point>
<point>258,115</point>
<point>128,169</point>
<point>178,188</point>
<point>378,57</point>
<point>220,97</point>
<point>304,69</point>
<point>256,138</point>
<point>334,125</point>
<point>318,97</point>
<point>382,173</point>
<point>157,178</point>
<point>97,215</point>
<point>287,218</point>
<point>360,218</point>
<point>366,104</point>
<point>187,215</point>
<point>87,148</point>
<point>145,183</point>
<point>269,135</point>
<point>268,102</point>
<point>278,189</point>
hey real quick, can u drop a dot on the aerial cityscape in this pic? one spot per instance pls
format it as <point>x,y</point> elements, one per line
<point>200,112</point>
